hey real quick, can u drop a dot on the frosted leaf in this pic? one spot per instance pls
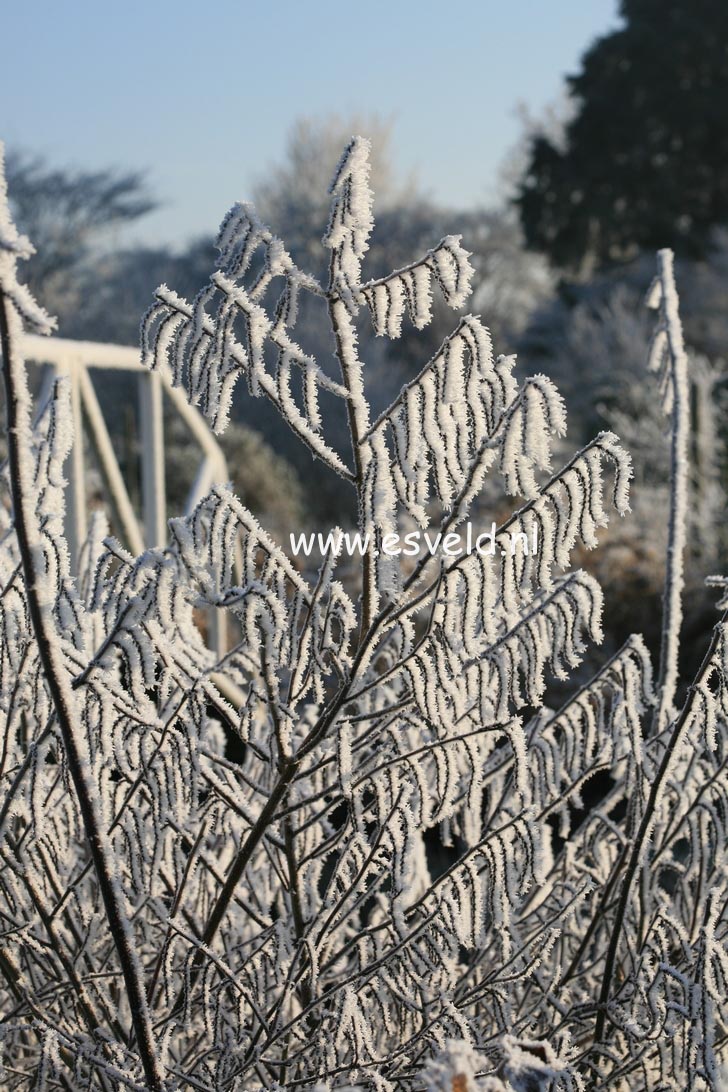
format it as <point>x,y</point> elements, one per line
<point>350,220</point>
<point>433,435</point>
<point>228,328</point>
<point>410,288</point>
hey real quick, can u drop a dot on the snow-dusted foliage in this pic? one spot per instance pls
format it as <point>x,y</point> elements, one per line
<point>177,914</point>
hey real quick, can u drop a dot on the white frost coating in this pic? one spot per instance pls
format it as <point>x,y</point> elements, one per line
<point>203,349</point>
<point>387,866</point>
<point>411,288</point>
<point>350,220</point>
<point>14,246</point>
<point>669,361</point>
<point>54,623</point>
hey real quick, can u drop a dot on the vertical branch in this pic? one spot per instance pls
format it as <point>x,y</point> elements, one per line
<point>358,409</point>
<point>667,356</point>
<point>59,682</point>
<point>670,339</point>
<point>347,237</point>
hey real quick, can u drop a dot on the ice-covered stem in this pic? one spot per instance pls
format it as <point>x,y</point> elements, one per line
<point>669,359</point>
<point>347,236</point>
<point>59,683</point>
<point>14,300</point>
<point>681,726</point>
<point>358,411</point>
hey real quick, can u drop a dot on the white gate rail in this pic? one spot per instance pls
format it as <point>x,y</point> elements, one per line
<point>73,359</point>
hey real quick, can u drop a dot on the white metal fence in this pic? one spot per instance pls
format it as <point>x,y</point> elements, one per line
<point>148,527</point>
<point>74,359</point>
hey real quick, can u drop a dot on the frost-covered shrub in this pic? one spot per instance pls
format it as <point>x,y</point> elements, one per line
<point>177,915</point>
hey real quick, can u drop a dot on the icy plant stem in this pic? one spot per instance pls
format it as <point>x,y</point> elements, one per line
<point>358,409</point>
<point>680,435</point>
<point>59,684</point>
<point>672,604</point>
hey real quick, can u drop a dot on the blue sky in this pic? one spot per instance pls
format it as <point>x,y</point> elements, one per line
<point>202,96</point>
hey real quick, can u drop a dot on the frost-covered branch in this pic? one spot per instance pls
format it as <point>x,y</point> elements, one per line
<point>16,307</point>
<point>669,360</point>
